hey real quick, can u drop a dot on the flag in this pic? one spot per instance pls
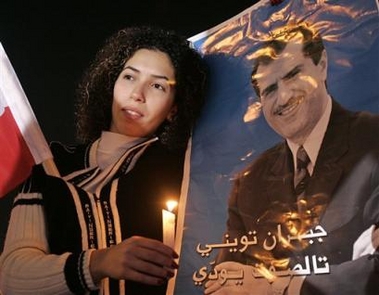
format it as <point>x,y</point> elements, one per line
<point>22,143</point>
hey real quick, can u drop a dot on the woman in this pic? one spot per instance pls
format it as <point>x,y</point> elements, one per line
<point>98,228</point>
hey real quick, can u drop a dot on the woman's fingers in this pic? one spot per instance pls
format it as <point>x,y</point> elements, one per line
<point>139,259</point>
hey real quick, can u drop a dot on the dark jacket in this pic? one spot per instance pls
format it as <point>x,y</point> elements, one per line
<point>342,197</point>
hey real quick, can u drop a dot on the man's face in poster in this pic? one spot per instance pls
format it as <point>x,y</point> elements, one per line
<point>292,91</point>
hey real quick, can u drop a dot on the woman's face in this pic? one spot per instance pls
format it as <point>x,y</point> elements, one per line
<point>143,94</point>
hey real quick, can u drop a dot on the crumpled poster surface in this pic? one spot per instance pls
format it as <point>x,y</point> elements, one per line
<point>233,132</point>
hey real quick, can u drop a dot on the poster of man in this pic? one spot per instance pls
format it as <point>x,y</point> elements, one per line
<point>283,187</point>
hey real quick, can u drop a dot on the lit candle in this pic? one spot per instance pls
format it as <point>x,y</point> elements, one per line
<point>168,220</point>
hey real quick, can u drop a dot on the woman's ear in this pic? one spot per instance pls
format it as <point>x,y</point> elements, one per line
<point>172,113</point>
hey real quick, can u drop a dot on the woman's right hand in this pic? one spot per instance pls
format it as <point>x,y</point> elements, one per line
<point>138,259</point>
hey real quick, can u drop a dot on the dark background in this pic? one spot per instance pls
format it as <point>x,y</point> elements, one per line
<point>50,44</point>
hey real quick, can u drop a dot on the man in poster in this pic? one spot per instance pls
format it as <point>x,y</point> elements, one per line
<point>307,224</point>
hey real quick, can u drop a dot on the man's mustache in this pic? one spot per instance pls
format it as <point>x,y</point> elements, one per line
<point>292,101</point>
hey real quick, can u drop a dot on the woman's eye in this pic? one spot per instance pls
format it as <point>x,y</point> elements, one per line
<point>128,77</point>
<point>158,86</point>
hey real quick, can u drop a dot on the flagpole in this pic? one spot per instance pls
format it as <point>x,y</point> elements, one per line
<point>50,167</point>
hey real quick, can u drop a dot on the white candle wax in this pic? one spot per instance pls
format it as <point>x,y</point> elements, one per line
<point>168,219</point>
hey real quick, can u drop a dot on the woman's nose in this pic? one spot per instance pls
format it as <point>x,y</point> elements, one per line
<point>138,94</point>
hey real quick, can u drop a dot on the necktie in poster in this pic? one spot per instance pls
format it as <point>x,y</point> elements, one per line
<point>299,73</point>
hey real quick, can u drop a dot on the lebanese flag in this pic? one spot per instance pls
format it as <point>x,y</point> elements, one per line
<point>22,143</point>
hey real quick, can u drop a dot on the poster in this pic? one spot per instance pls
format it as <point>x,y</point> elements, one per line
<point>233,134</point>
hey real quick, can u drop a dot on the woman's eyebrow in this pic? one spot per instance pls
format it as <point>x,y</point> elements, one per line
<point>131,68</point>
<point>171,82</point>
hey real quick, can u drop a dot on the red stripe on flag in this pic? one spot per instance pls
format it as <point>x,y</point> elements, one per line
<point>16,161</point>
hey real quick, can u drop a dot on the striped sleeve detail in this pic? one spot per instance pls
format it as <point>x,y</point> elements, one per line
<point>28,199</point>
<point>76,274</point>
<point>27,202</point>
<point>86,270</point>
<point>26,266</point>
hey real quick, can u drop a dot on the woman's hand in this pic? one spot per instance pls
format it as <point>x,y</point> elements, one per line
<point>138,259</point>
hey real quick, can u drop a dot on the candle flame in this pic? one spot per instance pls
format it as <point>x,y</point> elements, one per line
<point>171,205</point>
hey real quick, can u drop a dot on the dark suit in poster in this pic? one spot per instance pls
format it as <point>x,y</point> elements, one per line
<point>345,191</point>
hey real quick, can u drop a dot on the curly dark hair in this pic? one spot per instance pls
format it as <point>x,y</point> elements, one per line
<point>95,91</point>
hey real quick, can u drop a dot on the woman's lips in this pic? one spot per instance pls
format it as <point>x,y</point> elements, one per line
<point>132,113</point>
